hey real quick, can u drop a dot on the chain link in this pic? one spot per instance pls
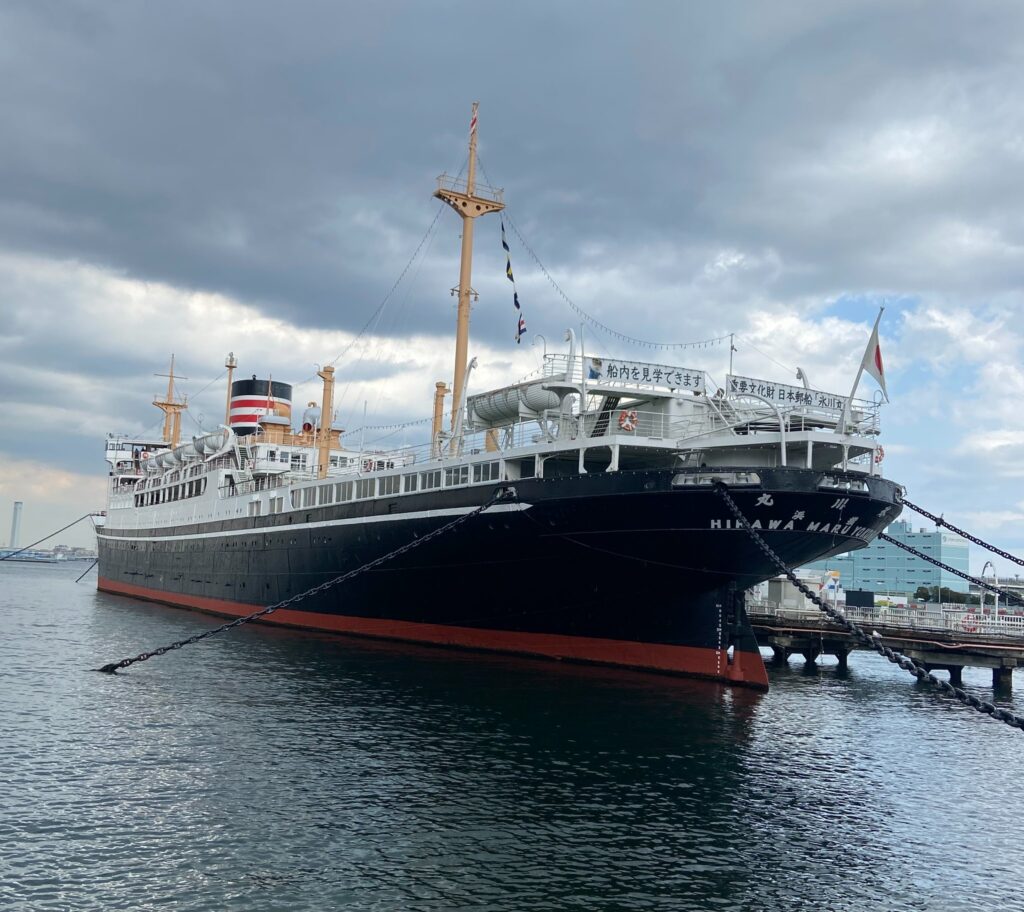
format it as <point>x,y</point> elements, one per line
<point>939,521</point>
<point>504,493</point>
<point>872,640</point>
<point>1009,596</point>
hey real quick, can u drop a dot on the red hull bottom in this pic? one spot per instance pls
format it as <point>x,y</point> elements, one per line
<point>746,668</point>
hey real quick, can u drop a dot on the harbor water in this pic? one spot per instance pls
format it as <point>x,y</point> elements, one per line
<point>272,769</point>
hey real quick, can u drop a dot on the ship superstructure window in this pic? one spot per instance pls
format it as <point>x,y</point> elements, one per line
<point>364,487</point>
<point>296,499</point>
<point>390,484</point>
<point>254,508</point>
<point>309,497</point>
<point>410,482</point>
<point>343,491</point>
<point>298,460</point>
<point>430,480</point>
<point>271,455</point>
<point>334,462</point>
<point>326,495</point>
<point>276,505</point>
<point>456,475</point>
<point>486,471</point>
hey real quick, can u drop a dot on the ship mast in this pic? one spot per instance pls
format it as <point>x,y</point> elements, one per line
<point>470,203</point>
<point>172,408</point>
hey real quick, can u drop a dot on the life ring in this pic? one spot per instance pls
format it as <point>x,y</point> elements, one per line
<point>969,623</point>
<point>628,419</point>
<point>144,454</point>
<point>879,455</point>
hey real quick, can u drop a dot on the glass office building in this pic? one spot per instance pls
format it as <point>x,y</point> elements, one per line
<point>884,568</point>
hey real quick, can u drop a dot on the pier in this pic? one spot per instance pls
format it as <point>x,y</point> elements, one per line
<point>947,638</point>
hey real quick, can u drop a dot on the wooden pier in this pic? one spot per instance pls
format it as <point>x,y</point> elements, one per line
<point>941,642</point>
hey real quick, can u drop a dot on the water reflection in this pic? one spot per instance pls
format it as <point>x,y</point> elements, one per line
<point>273,769</point>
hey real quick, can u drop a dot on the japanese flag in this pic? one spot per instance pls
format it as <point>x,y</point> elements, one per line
<point>872,362</point>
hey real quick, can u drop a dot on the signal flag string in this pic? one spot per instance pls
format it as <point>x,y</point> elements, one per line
<point>520,329</point>
<point>614,333</point>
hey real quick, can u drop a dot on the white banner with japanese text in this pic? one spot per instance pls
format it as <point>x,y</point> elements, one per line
<point>784,394</point>
<point>615,370</point>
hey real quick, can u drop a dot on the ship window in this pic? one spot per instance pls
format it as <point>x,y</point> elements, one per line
<point>326,495</point>
<point>254,508</point>
<point>309,497</point>
<point>390,484</point>
<point>430,479</point>
<point>334,462</point>
<point>343,491</point>
<point>272,455</point>
<point>276,504</point>
<point>486,471</point>
<point>456,475</point>
<point>296,498</point>
<point>410,482</point>
<point>364,487</point>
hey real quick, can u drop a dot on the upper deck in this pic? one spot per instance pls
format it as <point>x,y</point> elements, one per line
<point>574,416</point>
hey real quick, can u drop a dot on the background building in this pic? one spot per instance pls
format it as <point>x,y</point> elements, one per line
<point>884,568</point>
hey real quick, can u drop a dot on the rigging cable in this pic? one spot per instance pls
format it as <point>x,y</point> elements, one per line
<point>704,343</point>
<point>623,337</point>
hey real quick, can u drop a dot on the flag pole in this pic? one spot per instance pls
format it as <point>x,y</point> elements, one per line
<point>845,417</point>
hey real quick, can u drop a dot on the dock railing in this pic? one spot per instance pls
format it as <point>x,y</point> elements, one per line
<point>966,620</point>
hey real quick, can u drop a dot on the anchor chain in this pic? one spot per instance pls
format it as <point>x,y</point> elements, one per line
<point>501,494</point>
<point>873,640</point>
<point>939,521</point>
<point>1009,596</point>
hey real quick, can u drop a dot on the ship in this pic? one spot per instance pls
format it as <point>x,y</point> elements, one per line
<point>605,538</point>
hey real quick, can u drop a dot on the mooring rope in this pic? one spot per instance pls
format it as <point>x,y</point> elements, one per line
<point>45,537</point>
<point>874,640</point>
<point>504,493</point>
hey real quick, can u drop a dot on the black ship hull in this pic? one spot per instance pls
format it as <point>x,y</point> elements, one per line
<point>627,568</point>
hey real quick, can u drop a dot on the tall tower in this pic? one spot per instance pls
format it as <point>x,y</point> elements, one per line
<point>16,524</point>
<point>470,202</point>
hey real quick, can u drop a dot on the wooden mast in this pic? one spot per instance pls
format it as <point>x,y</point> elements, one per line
<point>172,409</point>
<point>470,205</point>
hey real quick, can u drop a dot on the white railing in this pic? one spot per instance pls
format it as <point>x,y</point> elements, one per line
<point>957,619</point>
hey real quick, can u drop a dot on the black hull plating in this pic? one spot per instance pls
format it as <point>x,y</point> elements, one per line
<point>618,557</point>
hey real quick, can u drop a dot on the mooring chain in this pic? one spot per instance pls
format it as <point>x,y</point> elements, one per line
<point>1009,596</point>
<point>873,641</point>
<point>501,494</point>
<point>939,521</point>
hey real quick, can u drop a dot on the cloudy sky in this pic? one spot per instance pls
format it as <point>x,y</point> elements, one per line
<point>255,176</point>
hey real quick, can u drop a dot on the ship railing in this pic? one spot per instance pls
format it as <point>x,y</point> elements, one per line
<point>252,486</point>
<point>551,429</point>
<point>459,184</point>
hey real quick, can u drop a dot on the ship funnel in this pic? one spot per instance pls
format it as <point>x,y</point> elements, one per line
<point>254,399</point>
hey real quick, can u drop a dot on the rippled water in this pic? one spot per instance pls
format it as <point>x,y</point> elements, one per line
<point>273,769</point>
